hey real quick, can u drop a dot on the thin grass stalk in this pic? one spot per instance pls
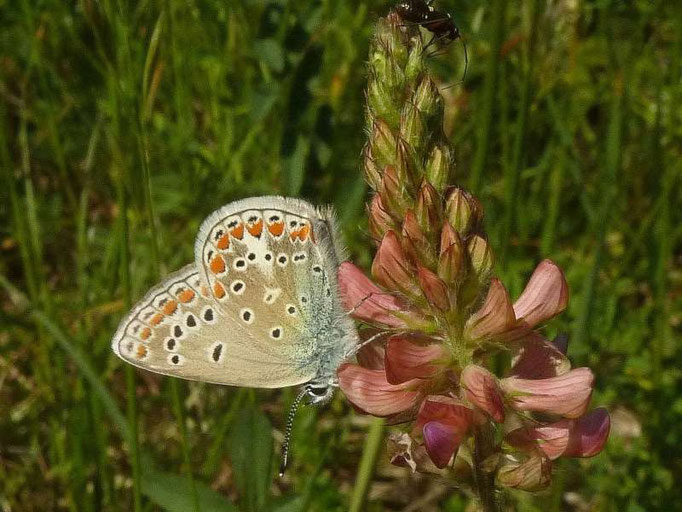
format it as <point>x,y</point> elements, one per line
<point>513,171</point>
<point>498,10</point>
<point>602,221</point>
<point>368,462</point>
<point>131,397</point>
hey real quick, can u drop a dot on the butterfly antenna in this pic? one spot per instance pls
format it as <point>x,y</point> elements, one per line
<point>287,432</point>
<point>466,59</point>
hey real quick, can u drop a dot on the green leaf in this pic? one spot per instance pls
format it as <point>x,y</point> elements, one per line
<point>174,493</point>
<point>295,166</point>
<point>251,453</point>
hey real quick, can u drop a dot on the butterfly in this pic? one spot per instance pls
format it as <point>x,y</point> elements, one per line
<point>259,307</point>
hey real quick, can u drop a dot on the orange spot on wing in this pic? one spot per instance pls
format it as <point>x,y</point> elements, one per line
<point>238,231</point>
<point>304,232</point>
<point>218,290</point>
<point>170,307</point>
<point>218,265</point>
<point>223,242</point>
<point>276,228</point>
<point>204,291</point>
<point>186,295</point>
<point>256,229</point>
<point>141,351</point>
<point>156,319</point>
<point>146,333</point>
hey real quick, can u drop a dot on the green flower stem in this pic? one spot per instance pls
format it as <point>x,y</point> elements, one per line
<point>484,445</point>
<point>370,455</point>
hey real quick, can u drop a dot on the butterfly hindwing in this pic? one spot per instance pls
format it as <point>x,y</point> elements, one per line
<point>179,329</point>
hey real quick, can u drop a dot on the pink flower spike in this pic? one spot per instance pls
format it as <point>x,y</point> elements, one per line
<point>482,391</point>
<point>589,434</point>
<point>567,395</point>
<point>441,441</point>
<point>545,296</point>
<point>370,391</point>
<point>496,316</point>
<point>537,358</point>
<point>367,301</point>
<point>406,360</point>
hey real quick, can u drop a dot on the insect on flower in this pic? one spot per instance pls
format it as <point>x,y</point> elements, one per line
<point>439,23</point>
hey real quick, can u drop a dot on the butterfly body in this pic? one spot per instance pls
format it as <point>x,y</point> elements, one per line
<point>259,307</point>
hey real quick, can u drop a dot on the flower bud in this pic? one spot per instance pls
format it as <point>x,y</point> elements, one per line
<point>391,267</point>
<point>380,220</point>
<point>435,290</point>
<point>394,196</point>
<point>462,210</point>
<point>412,128</point>
<point>428,209</point>
<point>481,257</point>
<point>531,474</point>
<point>438,167</point>
<point>448,236</point>
<point>382,144</point>
<point>415,242</point>
<point>427,99</point>
<point>381,102</point>
<point>451,262</point>
<point>372,170</point>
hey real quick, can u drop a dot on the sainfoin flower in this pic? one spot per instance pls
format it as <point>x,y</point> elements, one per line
<point>441,315</point>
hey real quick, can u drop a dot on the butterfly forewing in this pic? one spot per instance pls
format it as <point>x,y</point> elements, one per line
<point>179,329</point>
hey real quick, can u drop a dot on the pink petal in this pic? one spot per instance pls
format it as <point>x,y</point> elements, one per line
<point>537,358</point>
<point>392,269</point>
<point>370,391</point>
<point>434,289</point>
<point>589,434</point>
<point>482,390</point>
<point>567,395</point>
<point>545,296</point>
<point>551,439</point>
<point>368,302</point>
<point>371,356</point>
<point>445,410</point>
<point>441,441</point>
<point>496,316</point>
<point>406,360</point>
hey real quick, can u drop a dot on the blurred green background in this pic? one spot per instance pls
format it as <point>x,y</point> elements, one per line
<point>123,124</point>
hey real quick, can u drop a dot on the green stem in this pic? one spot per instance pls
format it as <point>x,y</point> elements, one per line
<point>370,454</point>
<point>484,446</point>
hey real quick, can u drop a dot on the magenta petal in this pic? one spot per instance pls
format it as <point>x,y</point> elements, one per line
<point>537,358</point>
<point>567,395</point>
<point>370,391</point>
<point>406,360</point>
<point>482,390</point>
<point>368,302</point>
<point>441,442</point>
<point>589,434</point>
<point>445,410</point>
<point>545,296</point>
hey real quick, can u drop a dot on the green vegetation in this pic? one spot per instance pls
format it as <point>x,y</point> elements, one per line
<point>123,124</point>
